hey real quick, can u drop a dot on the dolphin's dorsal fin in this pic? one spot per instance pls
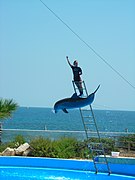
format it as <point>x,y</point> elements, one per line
<point>74,96</point>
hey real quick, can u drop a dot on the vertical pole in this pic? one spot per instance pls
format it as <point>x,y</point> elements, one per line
<point>74,86</point>
<point>128,147</point>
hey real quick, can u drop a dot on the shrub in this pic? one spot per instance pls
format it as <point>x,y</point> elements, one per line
<point>41,147</point>
<point>125,141</point>
<point>65,147</point>
<point>3,146</point>
<point>83,151</point>
<point>18,140</point>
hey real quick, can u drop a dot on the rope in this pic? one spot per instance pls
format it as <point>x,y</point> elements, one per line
<point>92,49</point>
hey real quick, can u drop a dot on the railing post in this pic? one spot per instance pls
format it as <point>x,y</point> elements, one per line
<point>129,146</point>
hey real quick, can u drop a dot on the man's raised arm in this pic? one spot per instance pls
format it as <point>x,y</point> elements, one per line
<point>68,61</point>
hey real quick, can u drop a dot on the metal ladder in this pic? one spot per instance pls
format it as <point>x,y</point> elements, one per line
<point>89,123</point>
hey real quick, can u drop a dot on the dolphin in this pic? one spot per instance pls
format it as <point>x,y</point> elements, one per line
<point>74,102</point>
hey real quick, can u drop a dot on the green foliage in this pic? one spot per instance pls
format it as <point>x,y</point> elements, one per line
<point>18,140</point>
<point>7,107</point>
<point>65,148</point>
<point>129,138</point>
<point>61,148</point>
<point>41,147</point>
<point>3,146</point>
<point>108,144</point>
<point>124,141</point>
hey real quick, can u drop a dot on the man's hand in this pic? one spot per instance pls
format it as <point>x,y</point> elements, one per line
<point>68,61</point>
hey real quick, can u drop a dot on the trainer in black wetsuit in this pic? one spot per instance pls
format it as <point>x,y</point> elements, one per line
<point>77,71</point>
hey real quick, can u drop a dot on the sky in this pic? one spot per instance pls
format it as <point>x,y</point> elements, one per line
<point>34,44</point>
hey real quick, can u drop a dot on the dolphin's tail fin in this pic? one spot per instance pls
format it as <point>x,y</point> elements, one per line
<point>96,89</point>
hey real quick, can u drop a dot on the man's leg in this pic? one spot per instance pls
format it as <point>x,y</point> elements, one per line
<point>79,85</point>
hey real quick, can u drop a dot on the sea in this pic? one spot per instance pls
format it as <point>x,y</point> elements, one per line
<point>33,122</point>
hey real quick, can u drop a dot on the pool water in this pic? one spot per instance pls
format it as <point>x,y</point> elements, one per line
<point>20,173</point>
<point>15,168</point>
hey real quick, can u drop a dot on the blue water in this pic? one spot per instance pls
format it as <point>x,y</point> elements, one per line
<point>19,168</point>
<point>20,173</point>
<point>44,118</point>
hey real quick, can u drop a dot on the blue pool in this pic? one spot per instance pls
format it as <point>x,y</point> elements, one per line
<point>20,168</point>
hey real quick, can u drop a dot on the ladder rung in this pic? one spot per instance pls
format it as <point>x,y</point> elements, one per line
<point>78,88</point>
<point>89,122</point>
<point>96,162</point>
<point>89,130</point>
<point>95,143</point>
<point>87,125</point>
<point>97,150</point>
<point>97,147</point>
<point>85,110</point>
<point>90,117</point>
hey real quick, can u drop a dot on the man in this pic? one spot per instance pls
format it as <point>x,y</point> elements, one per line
<point>77,72</point>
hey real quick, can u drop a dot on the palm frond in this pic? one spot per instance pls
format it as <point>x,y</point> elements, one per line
<point>7,107</point>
